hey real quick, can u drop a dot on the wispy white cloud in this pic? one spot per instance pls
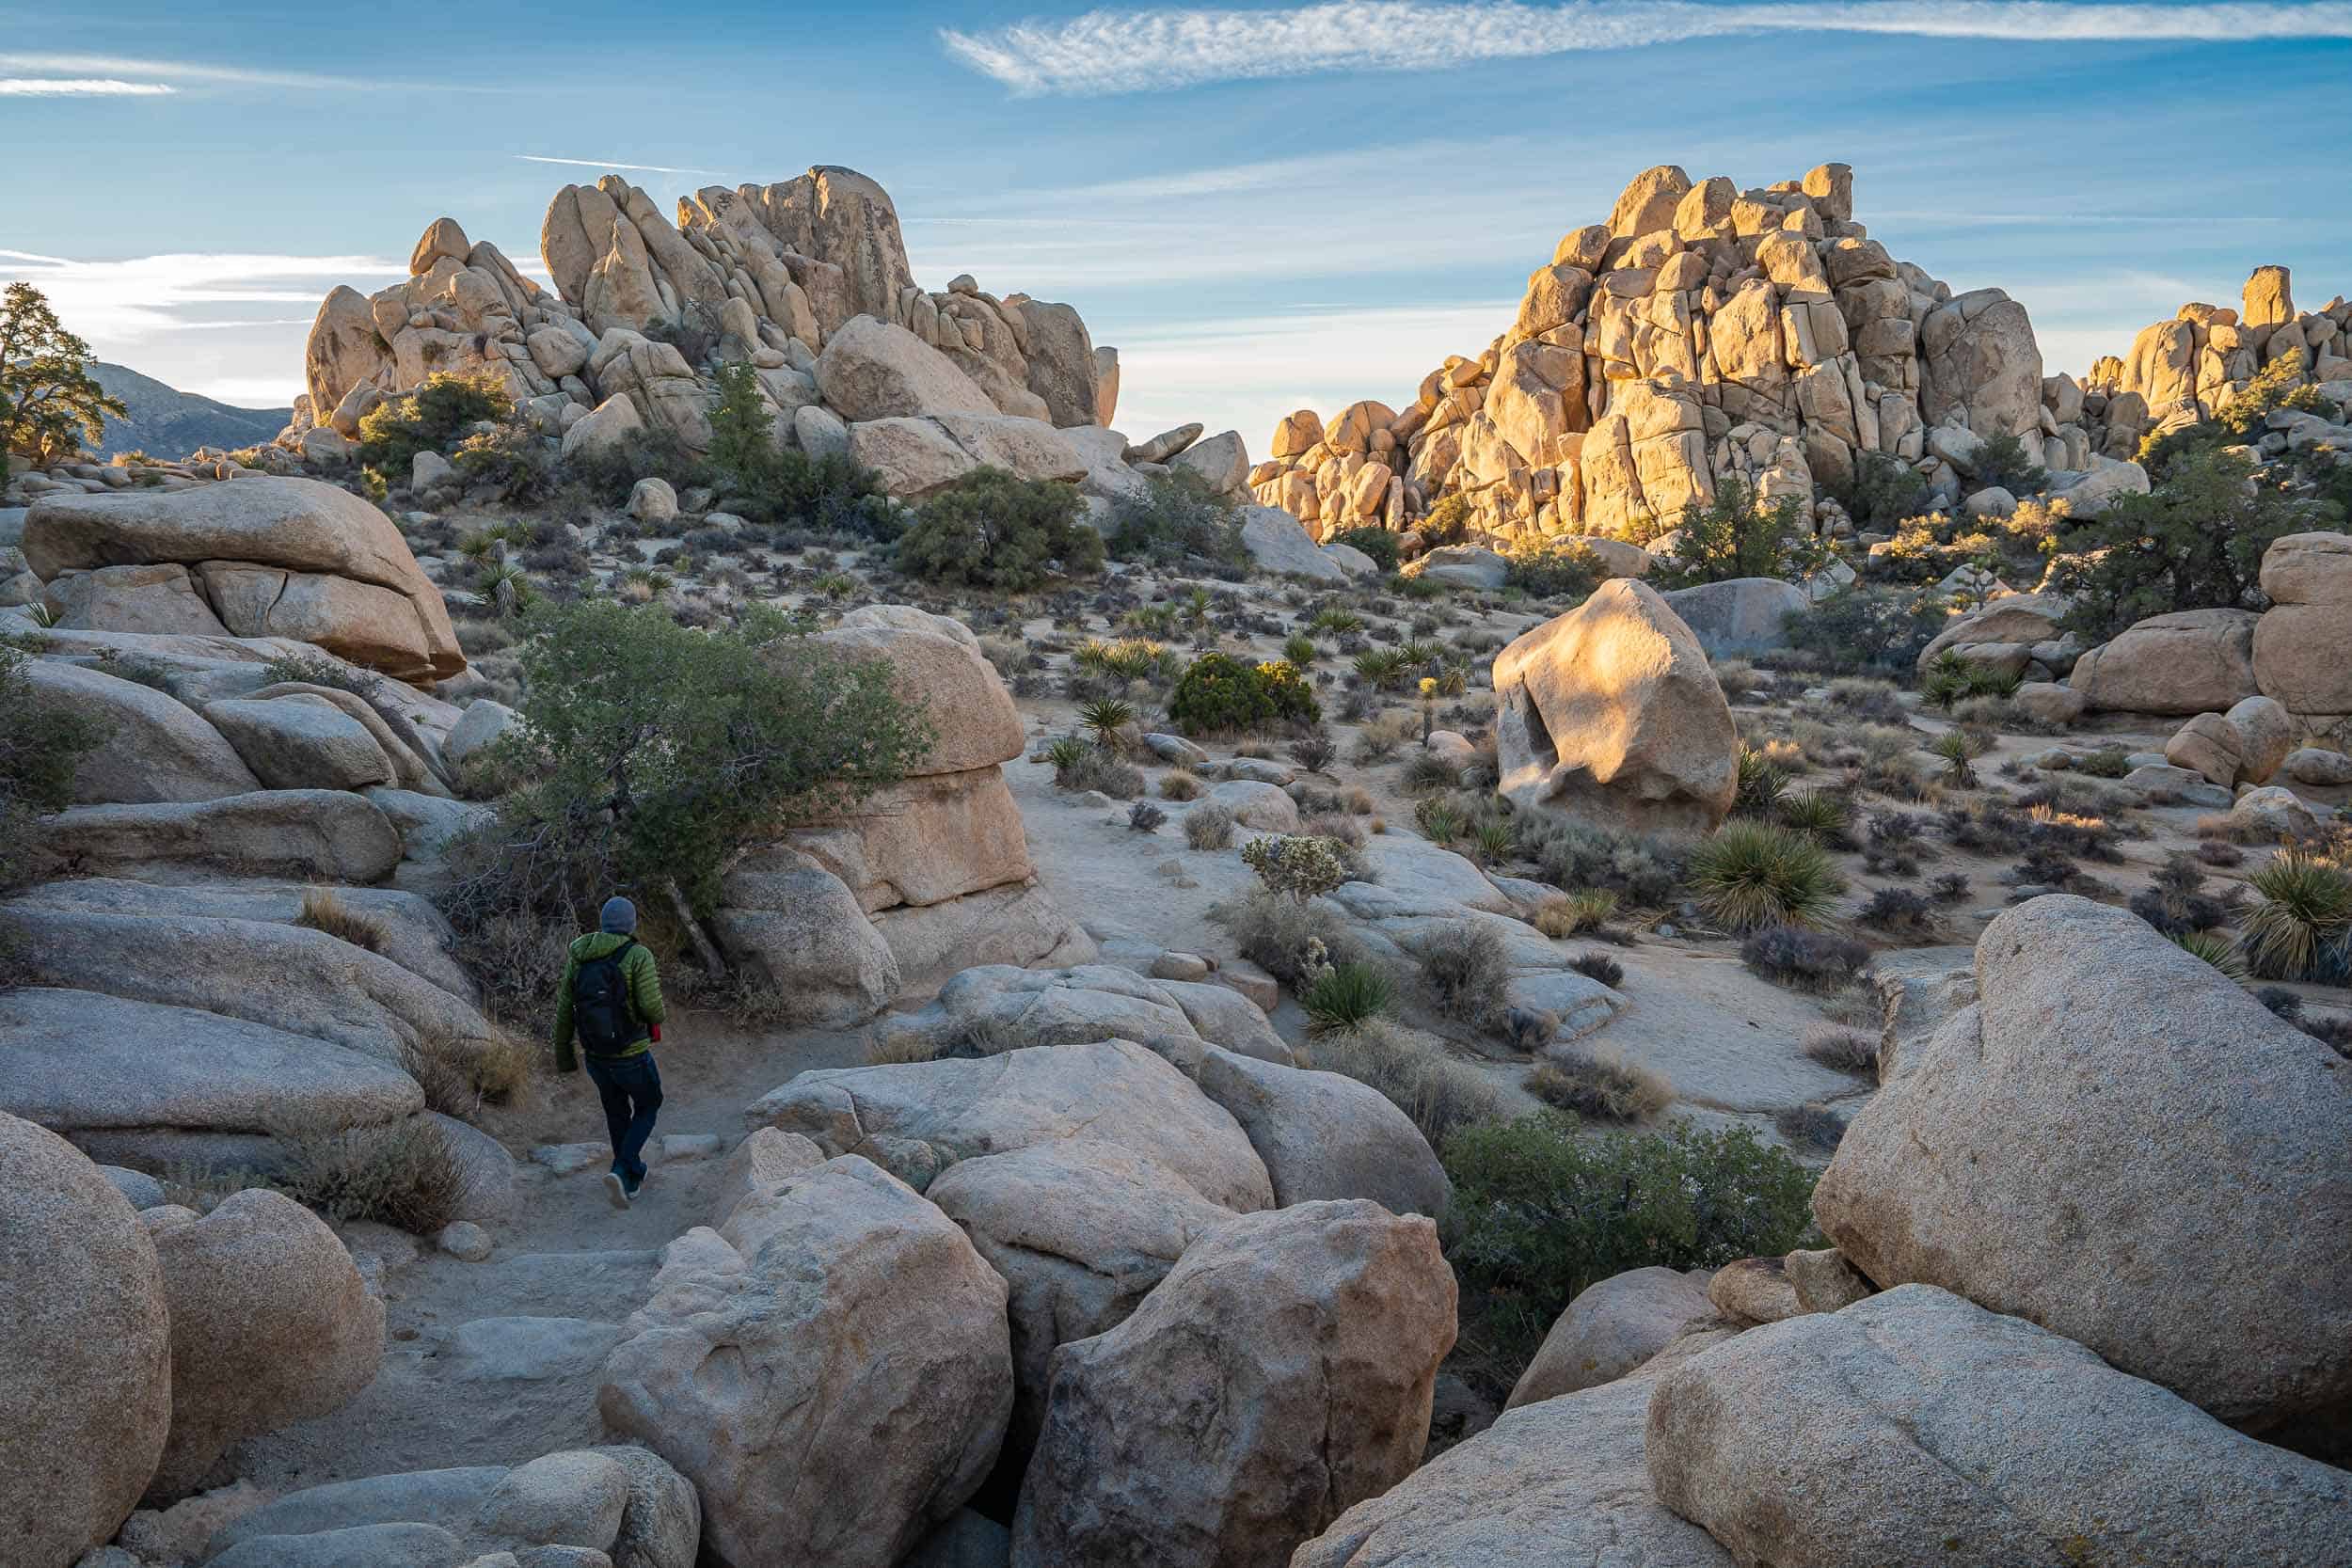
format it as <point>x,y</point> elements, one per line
<point>120,302</point>
<point>80,86</point>
<point>198,73</point>
<point>607,163</point>
<point>1137,50</point>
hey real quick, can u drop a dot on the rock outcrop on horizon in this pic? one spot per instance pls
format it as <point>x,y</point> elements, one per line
<point>1701,333</point>
<point>806,280</point>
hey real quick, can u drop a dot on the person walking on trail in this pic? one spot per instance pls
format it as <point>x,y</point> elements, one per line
<point>610,999</point>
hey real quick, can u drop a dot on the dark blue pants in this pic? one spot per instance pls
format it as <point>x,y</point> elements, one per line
<point>630,1088</point>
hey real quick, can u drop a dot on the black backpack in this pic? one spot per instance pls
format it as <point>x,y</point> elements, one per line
<point>600,1006</point>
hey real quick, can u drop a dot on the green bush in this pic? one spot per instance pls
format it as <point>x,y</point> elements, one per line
<point>2004,461</point>
<point>1296,864</point>
<point>1868,629</point>
<point>1448,522</point>
<point>1542,1209</point>
<point>1883,491</point>
<point>1175,520</point>
<point>1288,938</point>
<point>429,419</point>
<point>659,753</point>
<point>1376,541</point>
<point>1737,535</point>
<point>2194,542</point>
<point>42,741</point>
<point>1555,572</point>
<point>991,529</point>
<point>784,487</point>
<point>1218,695</point>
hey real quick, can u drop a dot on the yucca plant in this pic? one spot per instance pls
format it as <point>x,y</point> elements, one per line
<point>1490,842</point>
<point>1438,820</point>
<point>2215,949</point>
<point>1958,753</point>
<point>1820,815</point>
<point>1762,782</point>
<point>482,545</point>
<point>1335,622</point>
<point>1300,649</point>
<point>1105,717</point>
<point>1346,994</point>
<point>1065,754</point>
<point>1755,874</point>
<point>2301,927</point>
<point>1382,668</point>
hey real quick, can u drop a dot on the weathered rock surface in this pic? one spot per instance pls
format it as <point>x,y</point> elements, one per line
<point>322,545</point>
<point>1610,713</point>
<point>2122,1145</point>
<point>996,1007</point>
<point>1322,1135</point>
<point>1555,1482</point>
<point>87,1380</point>
<point>1915,1428</point>
<point>831,1369</point>
<point>325,834</point>
<point>1740,615</point>
<point>2298,640</point>
<point>155,749</point>
<point>1612,1326</point>
<point>270,1324</point>
<point>1281,1373</point>
<point>2192,661</point>
<point>917,1119</point>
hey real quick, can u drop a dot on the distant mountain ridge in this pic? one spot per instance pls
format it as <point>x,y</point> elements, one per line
<point>166,422</point>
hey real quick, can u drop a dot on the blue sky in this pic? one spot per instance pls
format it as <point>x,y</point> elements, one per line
<point>1263,207</point>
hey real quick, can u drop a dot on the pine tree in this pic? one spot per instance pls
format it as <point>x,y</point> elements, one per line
<point>49,403</point>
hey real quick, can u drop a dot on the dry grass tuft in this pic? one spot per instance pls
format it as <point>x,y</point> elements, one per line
<point>1412,1069</point>
<point>322,910</point>
<point>1599,1085</point>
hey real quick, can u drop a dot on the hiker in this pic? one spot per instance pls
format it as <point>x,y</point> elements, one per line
<point>611,998</point>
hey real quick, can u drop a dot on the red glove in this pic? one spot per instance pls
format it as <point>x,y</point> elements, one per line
<point>657,1034</point>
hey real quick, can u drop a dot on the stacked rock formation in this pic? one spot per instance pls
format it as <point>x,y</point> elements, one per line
<point>806,280</point>
<point>930,876</point>
<point>1702,332</point>
<point>2184,369</point>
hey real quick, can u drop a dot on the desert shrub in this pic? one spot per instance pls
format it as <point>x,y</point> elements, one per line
<point>1737,534</point>
<point>1541,1210</point>
<point>1810,960</point>
<point>1180,785</point>
<point>1813,1127</point>
<point>1092,767</point>
<point>2194,542</point>
<point>1300,649</point>
<point>1343,996</point>
<point>1297,865</point>
<point>1846,1049</point>
<point>1176,518</point>
<point>1596,965</point>
<point>1574,912</point>
<point>1315,751</point>
<point>1143,816</point>
<point>1899,913</point>
<point>1288,938</point>
<point>1569,572</point>
<point>1209,827</point>
<point>2176,902</point>
<point>2004,461</point>
<point>322,910</point>
<point>1220,694</point>
<point>1868,629</point>
<point>2301,925</point>
<point>657,755</point>
<point>1424,771</point>
<point>1447,523</point>
<point>319,669</point>
<point>991,529</point>
<point>1600,1085</point>
<point>2107,762</point>
<point>1755,874</point>
<point>2215,947</point>
<point>1882,492</point>
<point>429,419</point>
<point>42,742</point>
<point>406,1174</point>
<point>1464,970</point>
<point>1412,1069</point>
<point>1641,871</point>
<point>1376,541</point>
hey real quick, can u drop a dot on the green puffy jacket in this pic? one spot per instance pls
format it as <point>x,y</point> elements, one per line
<point>645,994</point>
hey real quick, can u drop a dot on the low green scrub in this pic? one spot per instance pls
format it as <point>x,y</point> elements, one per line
<point>1543,1208</point>
<point>430,419</point>
<point>1220,694</point>
<point>1175,520</point>
<point>991,529</point>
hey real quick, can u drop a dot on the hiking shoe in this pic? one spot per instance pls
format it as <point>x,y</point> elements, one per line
<point>633,1187</point>
<point>616,1189</point>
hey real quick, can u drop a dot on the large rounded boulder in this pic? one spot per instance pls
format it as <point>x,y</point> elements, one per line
<point>2119,1143</point>
<point>271,1324</point>
<point>1610,714</point>
<point>85,1377</point>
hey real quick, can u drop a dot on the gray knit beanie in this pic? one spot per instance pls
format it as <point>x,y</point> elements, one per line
<point>619,917</point>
